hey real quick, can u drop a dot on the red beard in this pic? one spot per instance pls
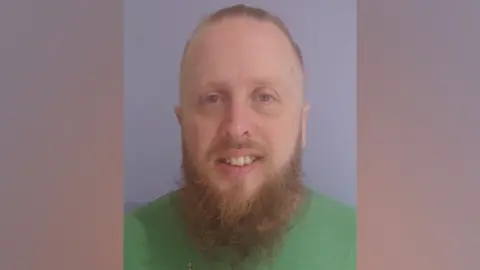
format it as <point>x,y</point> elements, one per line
<point>226,227</point>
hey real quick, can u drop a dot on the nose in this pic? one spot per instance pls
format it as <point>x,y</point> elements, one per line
<point>237,121</point>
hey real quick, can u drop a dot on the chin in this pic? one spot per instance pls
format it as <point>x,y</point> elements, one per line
<point>247,186</point>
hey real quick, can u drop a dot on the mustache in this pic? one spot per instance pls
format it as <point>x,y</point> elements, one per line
<point>227,143</point>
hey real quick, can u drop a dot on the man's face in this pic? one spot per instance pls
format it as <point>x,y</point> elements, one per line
<point>243,124</point>
<point>242,112</point>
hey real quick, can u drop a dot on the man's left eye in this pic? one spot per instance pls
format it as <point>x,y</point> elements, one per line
<point>264,98</point>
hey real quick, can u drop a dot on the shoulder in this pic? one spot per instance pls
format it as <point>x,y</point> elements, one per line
<point>332,226</point>
<point>332,213</point>
<point>142,226</point>
<point>152,210</point>
<point>141,219</point>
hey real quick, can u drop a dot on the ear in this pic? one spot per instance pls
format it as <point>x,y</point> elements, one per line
<point>178,114</point>
<point>305,111</point>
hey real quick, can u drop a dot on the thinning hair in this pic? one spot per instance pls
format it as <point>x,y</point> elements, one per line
<point>239,11</point>
<point>242,10</point>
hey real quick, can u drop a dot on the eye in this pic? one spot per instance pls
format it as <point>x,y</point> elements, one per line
<point>265,98</point>
<point>213,98</point>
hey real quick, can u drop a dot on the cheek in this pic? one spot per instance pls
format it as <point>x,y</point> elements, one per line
<point>198,136</point>
<point>283,142</point>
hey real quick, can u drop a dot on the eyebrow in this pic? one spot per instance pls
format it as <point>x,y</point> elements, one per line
<point>260,81</point>
<point>216,85</point>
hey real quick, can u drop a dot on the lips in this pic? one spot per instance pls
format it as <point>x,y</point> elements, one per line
<point>239,157</point>
<point>237,163</point>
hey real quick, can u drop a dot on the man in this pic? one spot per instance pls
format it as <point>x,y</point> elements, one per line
<point>241,204</point>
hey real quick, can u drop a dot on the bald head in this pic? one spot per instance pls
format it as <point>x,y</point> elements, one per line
<point>245,26</point>
<point>247,12</point>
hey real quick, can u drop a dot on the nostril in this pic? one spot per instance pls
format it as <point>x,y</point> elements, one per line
<point>246,134</point>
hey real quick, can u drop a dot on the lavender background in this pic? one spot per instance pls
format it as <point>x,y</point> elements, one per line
<point>155,33</point>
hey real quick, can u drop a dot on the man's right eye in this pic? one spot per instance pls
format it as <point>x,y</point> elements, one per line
<point>212,98</point>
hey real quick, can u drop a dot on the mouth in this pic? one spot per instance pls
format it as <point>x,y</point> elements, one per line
<point>239,161</point>
<point>238,166</point>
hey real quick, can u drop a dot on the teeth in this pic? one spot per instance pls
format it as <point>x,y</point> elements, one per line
<point>240,161</point>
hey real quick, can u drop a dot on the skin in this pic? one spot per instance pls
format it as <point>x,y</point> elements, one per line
<point>241,81</point>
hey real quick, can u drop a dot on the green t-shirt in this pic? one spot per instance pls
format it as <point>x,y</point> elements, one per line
<point>323,238</point>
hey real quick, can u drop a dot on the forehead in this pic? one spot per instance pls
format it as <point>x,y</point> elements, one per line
<point>238,50</point>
